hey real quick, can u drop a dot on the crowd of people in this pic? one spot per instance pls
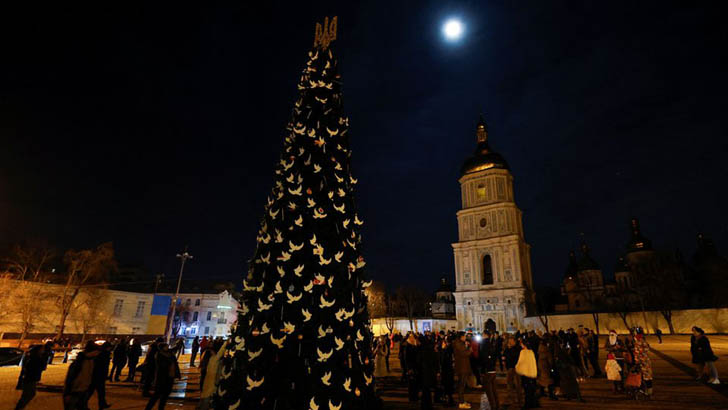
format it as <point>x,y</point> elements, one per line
<point>439,366</point>
<point>435,366</point>
<point>89,371</point>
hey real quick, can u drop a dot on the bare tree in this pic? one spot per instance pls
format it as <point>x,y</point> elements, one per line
<point>27,265</point>
<point>90,313</point>
<point>83,268</point>
<point>377,300</point>
<point>413,301</point>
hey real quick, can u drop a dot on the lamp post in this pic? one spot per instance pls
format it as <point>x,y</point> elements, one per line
<point>184,256</point>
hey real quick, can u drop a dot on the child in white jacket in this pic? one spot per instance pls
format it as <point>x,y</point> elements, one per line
<point>614,372</point>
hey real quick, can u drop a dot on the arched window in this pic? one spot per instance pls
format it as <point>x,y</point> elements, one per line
<point>487,270</point>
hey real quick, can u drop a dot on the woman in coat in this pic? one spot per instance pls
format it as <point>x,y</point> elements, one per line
<point>212,375</point>
<point>528,370</point>
<point>703,355</point>
<point>641,357</point>
<point>380,357</point>
<point>545,364</point>
<point>567,375</point>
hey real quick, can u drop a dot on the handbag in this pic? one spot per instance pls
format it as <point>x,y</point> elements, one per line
<point>633,380</point>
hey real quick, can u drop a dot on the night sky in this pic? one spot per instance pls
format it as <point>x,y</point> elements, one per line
<point>157,128</point>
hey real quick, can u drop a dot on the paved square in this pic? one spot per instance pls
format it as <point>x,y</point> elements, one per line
<point>674,386</point>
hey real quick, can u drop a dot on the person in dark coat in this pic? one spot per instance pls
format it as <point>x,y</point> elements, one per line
<point>167,371</point>
<point>567,375</point>
<point>402,361</point>
<point>79,378</point>
<point>461,350</point>
<point>593,353</point>
<point>447,373</point>
<point>150,367</point>
<point>195,349</point>
<point>119,359</point>
<point>513,381</point>
<point>98,379</point>
<point>33,365</point>
<point>410,358</point>
<point>488,357</point>
<point>179,347</point>
<point>703,355</point>
<point>133,353</point>
<point>428,368</point>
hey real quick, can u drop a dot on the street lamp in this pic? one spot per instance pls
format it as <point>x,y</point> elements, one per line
<point>184,256</point>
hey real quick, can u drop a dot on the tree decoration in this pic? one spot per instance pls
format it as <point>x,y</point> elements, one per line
<point>302,339</point>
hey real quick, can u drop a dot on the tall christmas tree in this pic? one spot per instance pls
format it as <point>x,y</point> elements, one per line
<point>302,340</point>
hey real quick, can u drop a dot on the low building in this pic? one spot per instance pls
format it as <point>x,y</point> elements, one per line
<point>205,314</point>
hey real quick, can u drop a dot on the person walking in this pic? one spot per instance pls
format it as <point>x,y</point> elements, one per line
<point>380,357</point>
<point>79,378</point>
<point>642,358</point>
<point>475,360</point>
<point>658,333</point>
<point>133,353</point>
<point>150,365</point>
<point>447,373</point>
<point>488,357</point>
<point>513,382</point>
<point>527,368</point>
<point>167,370</point>
<point>703,355</point>
<point>545,367</point>
<point>195,349</point>
<point>33,365</point>
<point>428,368</point>
<point>567,374</point>
<point>402,361</point>
<point>212,374</point>
<point>119,360</point>
<point>99,375</point>
<point>179,347</point>
<point>410,358</point>
<point>462,367</point>
<point>593,353</point>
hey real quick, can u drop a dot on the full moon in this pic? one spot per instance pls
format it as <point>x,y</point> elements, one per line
<point>453,29</point>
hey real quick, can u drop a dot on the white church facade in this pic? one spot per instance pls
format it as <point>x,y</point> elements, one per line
<point>494,285</point>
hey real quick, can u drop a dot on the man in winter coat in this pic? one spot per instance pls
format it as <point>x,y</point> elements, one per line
<point>488,357</point>
<point>447,373</point>
<point>33,365</point>
<point>133,354</point>
<point>119,360</point>
<point>195,349</point>
<point>593,340</point>
<point>98,378</point>
<point>150,367</point>
<point>429,367</point>
<point>461,351</point>
<point>513,381</point>
<point>167,370</point>
<point>79,378</point>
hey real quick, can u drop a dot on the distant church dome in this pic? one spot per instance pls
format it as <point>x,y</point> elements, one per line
<point>484,157</point>
<point>637,242</point>
<point>587,262</point>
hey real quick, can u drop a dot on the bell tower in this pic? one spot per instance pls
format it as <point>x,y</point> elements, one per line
<point>492,259</point>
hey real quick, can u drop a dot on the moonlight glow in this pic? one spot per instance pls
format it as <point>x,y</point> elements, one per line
<point>453,29</point>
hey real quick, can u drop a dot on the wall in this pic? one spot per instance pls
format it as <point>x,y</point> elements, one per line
<point>711,320</point>
<point>402,325</point>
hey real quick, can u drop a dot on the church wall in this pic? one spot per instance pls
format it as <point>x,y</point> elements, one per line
<point>710,320</point>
